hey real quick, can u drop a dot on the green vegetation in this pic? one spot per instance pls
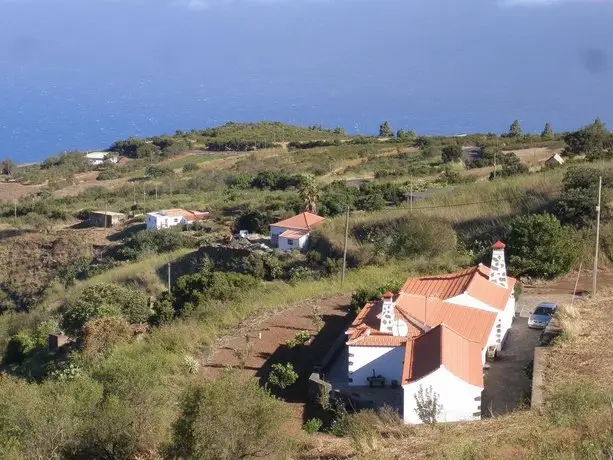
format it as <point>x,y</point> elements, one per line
<point>228,418</point>
<point>130,386</point>
<point>282,375</point>
<point>539,246</point>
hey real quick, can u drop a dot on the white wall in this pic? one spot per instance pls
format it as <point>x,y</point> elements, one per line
<point>276,231</point>
<point>469,301</point>
<point>456,396</point>
<point>157,222</point>
<point>284,243</point>
<point>385,361</point>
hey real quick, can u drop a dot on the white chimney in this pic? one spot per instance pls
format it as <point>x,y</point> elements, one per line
<point>387,313</point>
<point>498,268</point>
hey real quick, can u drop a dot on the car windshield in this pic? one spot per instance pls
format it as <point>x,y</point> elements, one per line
<point>543,311</point>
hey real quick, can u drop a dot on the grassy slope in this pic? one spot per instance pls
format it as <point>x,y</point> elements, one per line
<point>575,423</point>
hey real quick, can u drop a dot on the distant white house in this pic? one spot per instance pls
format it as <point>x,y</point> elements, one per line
<point>432,337</point>
<point>172,217</point>
<point>293,233</point>
<point>97,158</point>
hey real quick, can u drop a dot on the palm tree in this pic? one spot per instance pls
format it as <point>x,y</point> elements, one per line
<point>309,193</point>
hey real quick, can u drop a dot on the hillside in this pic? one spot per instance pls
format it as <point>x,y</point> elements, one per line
<point>139,351</point>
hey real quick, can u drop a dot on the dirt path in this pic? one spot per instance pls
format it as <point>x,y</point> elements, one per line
<point>265,338</point>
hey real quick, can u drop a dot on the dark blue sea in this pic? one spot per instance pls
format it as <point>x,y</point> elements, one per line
<point>79,75</point>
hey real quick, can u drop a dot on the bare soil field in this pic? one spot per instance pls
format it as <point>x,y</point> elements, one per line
<point>265,339</point>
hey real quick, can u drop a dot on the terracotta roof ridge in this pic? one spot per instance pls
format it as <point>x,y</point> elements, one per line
<point>459,334</point>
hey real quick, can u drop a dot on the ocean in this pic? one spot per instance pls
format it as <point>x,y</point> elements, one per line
<point>80,75</point>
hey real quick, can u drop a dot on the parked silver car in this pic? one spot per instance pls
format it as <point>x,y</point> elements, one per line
<point>540,317</point>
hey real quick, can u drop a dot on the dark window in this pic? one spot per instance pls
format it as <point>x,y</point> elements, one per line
<point>476,414</point>
<point>350,380</point>
<point>290,242</point>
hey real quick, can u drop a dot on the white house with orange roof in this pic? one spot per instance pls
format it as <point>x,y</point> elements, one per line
<point>293,233</point>
<point>173,217</point>
<point>434,334</point>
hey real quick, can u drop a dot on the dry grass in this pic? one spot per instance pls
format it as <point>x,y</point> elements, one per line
<point>576,423</point>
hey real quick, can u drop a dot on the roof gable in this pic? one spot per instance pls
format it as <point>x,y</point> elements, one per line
<point>473,281</point>
<point>303,221</point>
<point>472,323</point>
<point>442,347</point>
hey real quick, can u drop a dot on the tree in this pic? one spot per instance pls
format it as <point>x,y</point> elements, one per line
<point>400,134</point>
<point>282,375</point>
<point>385,130</point>
<point>451,153</point>
<point>539,246</point>
<point>511,166</point>
<point>547,131</point>
<point>427,405</point>
<point>592,138</point>
<point>515,129</point>
<point>577,203</point>
<point>309,193</point>
<point>8,167</point>
<point>229,418</point>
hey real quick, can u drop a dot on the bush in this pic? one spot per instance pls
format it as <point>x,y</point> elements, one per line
<point>312,425</point>
<point>299,339</point>
<point>229,418</point>
<point>148,242</point>
<point>157,171</point>
<point>109,174</point>
<point>451,153</point>
<point>101,334</point>
<point>282,375</point>
<point>195,289</point>
<point>190,167</point>
<point>408,236</point>
<point>105,300</point>
<point>539,246</point>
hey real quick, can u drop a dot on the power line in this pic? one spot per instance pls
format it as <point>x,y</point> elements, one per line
<point>454,205</point>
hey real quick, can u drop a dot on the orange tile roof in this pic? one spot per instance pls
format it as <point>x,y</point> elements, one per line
<point>368,320</point>
<point>473,281</point>
<point>472,323</point>
<point>293,234</point>
<point>442,346</point>
<point>303,221</point>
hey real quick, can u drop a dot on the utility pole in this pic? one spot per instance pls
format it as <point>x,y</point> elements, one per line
<point>594,276</point>
<point>345,247</point>
<point>495,151</point>
<point>411,203</point>
<point>156,192</point>
<point>15,205</point>
<point>106,213</point>
<point>169,277</point>
<point>134,193</point>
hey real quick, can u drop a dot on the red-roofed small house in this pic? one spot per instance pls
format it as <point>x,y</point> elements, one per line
<point>293,233</point>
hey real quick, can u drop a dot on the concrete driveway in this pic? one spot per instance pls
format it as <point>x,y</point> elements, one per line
<point>507,384</point>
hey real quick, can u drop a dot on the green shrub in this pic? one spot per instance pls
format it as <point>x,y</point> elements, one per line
<point>109,174</point>
<point>147,242</point>
<point>538,245</point>
<point>282,375</point>
<point>190,167</point>
<point>157,171</point>
<point>299,339</point>
<point>105,300</point>
<point>312,425</point>
<point>228,418</point>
